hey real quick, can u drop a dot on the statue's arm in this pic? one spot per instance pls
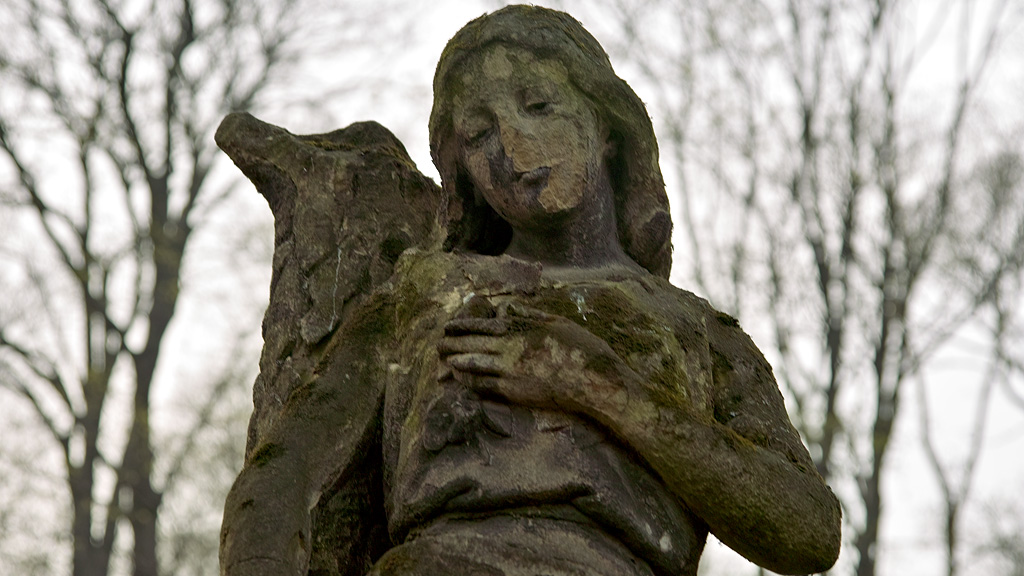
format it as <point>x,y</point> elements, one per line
<point>740,467</point>
<point>743,469</point>
<point>320,464</point>
<point>268,524</point>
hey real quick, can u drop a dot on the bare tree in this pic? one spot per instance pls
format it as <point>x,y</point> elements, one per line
<point>1003,546</point>
<point>108,169</point>
<point>819,187</point>
<point>995,227</point>
<point>203,463</point>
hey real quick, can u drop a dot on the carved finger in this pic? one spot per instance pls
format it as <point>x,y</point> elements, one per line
<point>510,390</point>
<point>469,344</point>
<point>517,310</point>
<point>486,326</point>
<point>476,364</point>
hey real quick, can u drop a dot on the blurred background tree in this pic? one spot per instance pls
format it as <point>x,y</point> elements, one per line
<point>109,176</point>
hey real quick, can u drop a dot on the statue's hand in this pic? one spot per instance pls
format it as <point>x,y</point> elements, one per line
<point>528,357</point>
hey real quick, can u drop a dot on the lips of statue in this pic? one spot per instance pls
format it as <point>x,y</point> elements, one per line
<point>532,144</point>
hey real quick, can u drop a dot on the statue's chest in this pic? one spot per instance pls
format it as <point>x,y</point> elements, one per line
<point>424,412</point>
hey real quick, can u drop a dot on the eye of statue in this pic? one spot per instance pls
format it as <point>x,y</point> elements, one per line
<point>478,135</point>
<point>539,100</point>
<point>474,128</point>
<point>538,107</point>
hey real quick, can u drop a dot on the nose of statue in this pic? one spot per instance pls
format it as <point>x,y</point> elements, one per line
<point>515,160</point>
<point>509,138</point>
<point>501,166</point>
<point>520,146</point>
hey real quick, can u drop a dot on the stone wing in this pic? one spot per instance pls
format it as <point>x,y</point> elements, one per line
<point>346,204</point>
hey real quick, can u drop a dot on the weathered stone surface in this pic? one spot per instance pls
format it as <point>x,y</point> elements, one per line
<point>496,377</point>
<point>346,204</point>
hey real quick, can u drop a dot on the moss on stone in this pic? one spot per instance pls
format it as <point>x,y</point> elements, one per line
<point>266,454</point>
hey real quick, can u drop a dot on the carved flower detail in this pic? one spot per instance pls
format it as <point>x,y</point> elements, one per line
<point>457,416</point>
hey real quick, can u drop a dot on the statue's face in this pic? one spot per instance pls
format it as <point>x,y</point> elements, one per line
<point>531,144</point>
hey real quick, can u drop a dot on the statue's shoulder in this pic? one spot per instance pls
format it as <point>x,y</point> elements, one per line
<point>430,271</point>
<point>726,337</point>
<point>432,283</point>
<point>424,267</point>
<point>684,308</point>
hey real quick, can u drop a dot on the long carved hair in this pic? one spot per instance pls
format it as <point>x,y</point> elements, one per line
<point>641,205</point>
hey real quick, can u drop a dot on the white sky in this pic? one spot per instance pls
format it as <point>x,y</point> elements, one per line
<point>911,529</point>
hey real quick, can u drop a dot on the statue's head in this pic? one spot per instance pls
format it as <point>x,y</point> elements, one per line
<point>555,38</point>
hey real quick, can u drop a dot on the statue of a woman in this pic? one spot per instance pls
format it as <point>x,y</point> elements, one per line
<point>549,403</point>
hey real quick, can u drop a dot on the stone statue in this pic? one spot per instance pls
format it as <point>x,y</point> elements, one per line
<point>496,377</point>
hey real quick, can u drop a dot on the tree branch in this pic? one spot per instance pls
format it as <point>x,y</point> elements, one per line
<point>10,382</point>
<point>202,422</point>
<point>43,210</point>
<point>42,369</point>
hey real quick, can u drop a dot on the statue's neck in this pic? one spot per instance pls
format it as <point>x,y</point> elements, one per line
<point>569,246</point>
<point>586,237</point>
